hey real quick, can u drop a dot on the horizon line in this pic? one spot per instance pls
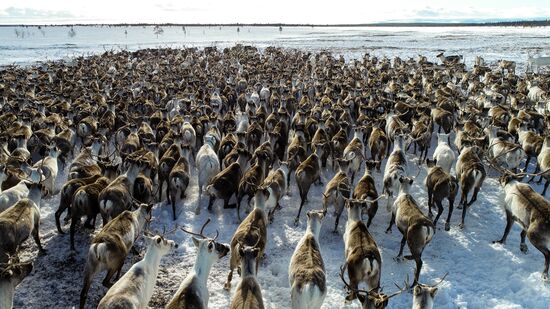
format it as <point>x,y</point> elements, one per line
<point>543,21</point>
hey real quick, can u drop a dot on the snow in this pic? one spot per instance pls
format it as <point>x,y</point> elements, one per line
<point>481,274</point>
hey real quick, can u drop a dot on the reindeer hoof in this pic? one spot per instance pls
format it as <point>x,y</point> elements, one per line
<point>461,226</point>
<point>545,278</point>
<point>430,215</point>
<point>296,222</point>
<point>388,231</point>
<point>227,286</point>
<point>447,227</point>
<point>398,259</point>
<point>459,206</point>
<point>197,211</point>
<point>523,248</point>
<point>498,242</point>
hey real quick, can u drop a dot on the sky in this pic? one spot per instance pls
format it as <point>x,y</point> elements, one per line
<point>274,11</point>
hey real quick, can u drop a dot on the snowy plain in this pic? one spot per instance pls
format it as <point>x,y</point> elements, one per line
<point>481,274</point>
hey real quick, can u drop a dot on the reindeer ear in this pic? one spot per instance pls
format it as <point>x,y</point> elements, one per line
<point>417,290</point>
<point>195,241</point>
<point>433,291</point>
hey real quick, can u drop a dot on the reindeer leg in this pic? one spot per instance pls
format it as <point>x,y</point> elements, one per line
<point>107,280</point>
<point>509,223</point>
<point>474,196</point>
<point>451,208</point>
<point>399,256</point>
<point>37,237</point>
<point>545,187</point>
<point>527,163</point>
<point>439,212</point>
<point>302,202</point>
<point>174,207</point>
<point>372,212</point>
<point>336,222</point>
<point>227,285</point>
<point>72,231</point>
<point>430,203</point>
<point>58,221</point>
<point>540,244</point>
<point>392,221</point>
<point>239,199</point>
<point>418,260</point>
<point>522,246</point>
<point>464,208</point>
<point>211,200</point>
<point>89,273</point>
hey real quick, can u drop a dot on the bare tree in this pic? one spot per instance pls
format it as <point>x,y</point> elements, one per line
<point>158,30</point>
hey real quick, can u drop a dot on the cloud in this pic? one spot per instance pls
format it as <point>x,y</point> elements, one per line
<point>24,15</point>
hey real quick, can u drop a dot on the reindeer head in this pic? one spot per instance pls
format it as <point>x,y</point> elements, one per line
<point>248,255</point>
<point>159,243</point>
<point>15,272</point>
<point>406,183</point>
<point>315,220</point>
<point>207,247</point>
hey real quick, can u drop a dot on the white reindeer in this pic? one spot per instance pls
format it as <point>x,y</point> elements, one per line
<point>208,165</point>
<point>443,153</point>
<point>135,288</point>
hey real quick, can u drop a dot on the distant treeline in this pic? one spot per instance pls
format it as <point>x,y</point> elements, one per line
<point>521,23</point>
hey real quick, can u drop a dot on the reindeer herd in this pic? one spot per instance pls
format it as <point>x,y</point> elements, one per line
<point>132,129</point>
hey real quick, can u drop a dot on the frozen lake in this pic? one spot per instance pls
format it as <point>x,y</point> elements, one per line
<point>23,45</point>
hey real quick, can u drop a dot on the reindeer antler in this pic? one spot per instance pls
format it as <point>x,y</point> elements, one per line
<point>201,234</point>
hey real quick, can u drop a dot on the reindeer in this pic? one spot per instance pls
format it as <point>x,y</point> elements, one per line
<point>167,162</point>
<point>19,222</point>
<point>111,245</point>
<point>251,179</point>
<point>543,161</point>
<point>193,292</point>
<point>178,179</point>
<point>417,229</point>
<point>10,276</point>
<point>306,174</point>
<point>251,232</point>
<point>366,189</point>
<point>395,168</point>
<point>363,258</point>
<point>530,142</point>
<point>443,153</point>
<point>135,288</point>
<point>503,152</point>
<point>48,167</point>
<point>276,184</point>
<point>248,294</point>
<point>307,270</point>
<point>296,153</point>
<point>373,299</point>
<point>14,194</point>
<point>441,185</point>
<point>67,194</point>
<point>208,166</point>
<point>337,190</point>
<point>117,196</point>
<point>354,152</point>
<point>86,202</point>
<point>224,185</point>
<point>378,143</point>
<point>424,294</point>
<point>470,173</point>
<point>531,211</point>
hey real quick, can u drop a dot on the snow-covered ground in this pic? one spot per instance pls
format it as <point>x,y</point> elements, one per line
<point>24,45</point>
<point>481,274</point>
